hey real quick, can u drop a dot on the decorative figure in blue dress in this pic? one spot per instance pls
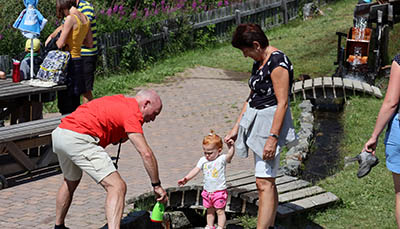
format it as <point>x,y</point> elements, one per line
<point>30,21</point>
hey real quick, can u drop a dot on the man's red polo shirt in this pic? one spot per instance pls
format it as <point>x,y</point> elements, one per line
<point>109,118</point>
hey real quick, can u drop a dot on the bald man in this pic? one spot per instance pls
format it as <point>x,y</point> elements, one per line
<point>79,143</point>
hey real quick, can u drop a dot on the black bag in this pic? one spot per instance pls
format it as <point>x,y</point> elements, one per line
<point>52,44</point>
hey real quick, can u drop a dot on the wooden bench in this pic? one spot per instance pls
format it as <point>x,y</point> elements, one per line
<point>15,139</point>
<point>295,195</point>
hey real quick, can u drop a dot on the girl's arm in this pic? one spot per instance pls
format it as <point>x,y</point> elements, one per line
<point>189,176</point>
<point>231,150</point>
<point>68,25</point>
<point>280,82</point>
<point>388,107</point>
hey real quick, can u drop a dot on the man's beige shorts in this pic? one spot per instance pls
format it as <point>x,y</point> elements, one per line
<point>77,152</point>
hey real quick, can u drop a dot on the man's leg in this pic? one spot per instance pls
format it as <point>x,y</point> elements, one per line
<point>64,199</point>
<point>115,200</point>
<point>267,202</point>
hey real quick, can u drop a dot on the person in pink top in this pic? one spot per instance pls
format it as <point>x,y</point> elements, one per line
<point>79,143</point>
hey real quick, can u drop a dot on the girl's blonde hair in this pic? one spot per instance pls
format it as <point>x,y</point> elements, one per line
<point>212,138</point>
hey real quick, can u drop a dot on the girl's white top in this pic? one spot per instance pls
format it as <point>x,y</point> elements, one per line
<point>213,173</point>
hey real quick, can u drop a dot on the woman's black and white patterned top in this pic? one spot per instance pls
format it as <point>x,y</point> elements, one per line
<point>260,82</point>
<point>397,58</point>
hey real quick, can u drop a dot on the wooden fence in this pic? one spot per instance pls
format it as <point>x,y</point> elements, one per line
<point>267,13</point>
<point>5,64</point>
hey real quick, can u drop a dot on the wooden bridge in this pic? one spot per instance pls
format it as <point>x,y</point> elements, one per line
<point>295,195</point>
<point>332,87</point>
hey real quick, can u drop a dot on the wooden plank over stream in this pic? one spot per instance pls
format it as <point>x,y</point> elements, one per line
<point>305,204</point>
<point>332,87</point>
<point>295,195</point>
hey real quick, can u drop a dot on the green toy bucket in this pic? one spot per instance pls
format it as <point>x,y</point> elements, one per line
<point>157,215</point>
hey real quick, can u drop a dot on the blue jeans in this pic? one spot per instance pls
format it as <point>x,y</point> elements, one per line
<point>392,143</point>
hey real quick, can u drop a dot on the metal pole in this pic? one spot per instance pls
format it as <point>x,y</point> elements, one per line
<point>31,59</point>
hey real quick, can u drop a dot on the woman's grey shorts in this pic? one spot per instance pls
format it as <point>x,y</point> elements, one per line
<point>269,168</point>
<point>77,152</point>
<point>254,130</point>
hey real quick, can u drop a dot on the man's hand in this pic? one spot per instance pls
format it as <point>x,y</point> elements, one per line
<point>161,194</point>
<point>182,181</point>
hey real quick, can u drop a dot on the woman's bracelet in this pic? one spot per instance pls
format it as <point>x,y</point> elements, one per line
<point>274,136</point>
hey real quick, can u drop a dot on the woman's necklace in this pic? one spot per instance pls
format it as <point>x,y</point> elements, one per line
<point>264,61</point>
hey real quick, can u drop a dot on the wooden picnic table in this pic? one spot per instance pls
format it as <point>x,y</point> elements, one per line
<point>12,95</point>
<point>25,146</point>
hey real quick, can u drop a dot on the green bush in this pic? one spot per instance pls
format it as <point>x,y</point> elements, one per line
<point>111,16</point>
<point>132,58</point>
<point>204,37</point>
<point>12,42</point>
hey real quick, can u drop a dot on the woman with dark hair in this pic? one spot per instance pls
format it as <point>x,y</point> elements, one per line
<point>75,31</point>
<point>265,123</point>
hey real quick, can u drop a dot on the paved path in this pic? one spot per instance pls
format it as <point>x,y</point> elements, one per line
<point>195,101</point>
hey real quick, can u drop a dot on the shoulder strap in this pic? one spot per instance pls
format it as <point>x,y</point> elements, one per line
<point>119,150</point>
<point>77,19</point>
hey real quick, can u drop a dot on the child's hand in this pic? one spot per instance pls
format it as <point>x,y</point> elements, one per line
<point>230,143</point>
<point>231,150</point>
<point>182,181</point>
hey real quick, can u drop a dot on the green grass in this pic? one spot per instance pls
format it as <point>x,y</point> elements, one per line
<point>311,46</point>
<point>366,202</point>
<point>317,59</point>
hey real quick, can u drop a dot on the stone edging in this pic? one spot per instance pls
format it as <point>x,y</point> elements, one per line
<point>298,153</point>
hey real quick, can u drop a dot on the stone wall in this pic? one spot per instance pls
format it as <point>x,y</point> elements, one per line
<point>298,153</point>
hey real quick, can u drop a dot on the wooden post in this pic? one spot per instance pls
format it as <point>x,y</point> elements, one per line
<point>166,33</point>
<point>237,17</point>
<point>284,11</point>
<point>104,57</point>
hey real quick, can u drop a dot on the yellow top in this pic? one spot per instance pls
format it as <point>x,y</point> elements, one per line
<point>76,37</point>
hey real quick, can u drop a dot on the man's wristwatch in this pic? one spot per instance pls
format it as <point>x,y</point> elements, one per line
<point>274,136</point>
<point>156,184</point>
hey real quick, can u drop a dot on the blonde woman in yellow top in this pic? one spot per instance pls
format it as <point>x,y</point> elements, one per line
<point>74,32</point>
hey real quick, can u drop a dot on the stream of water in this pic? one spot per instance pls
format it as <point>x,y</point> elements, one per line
<point>325,153</point>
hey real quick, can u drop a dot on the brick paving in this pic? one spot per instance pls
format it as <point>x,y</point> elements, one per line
<point>195,101</point>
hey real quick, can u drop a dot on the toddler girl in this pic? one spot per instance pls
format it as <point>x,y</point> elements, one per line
<point>213,165</point>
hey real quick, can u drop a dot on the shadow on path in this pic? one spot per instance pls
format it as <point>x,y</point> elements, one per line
<point>35,175</point>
